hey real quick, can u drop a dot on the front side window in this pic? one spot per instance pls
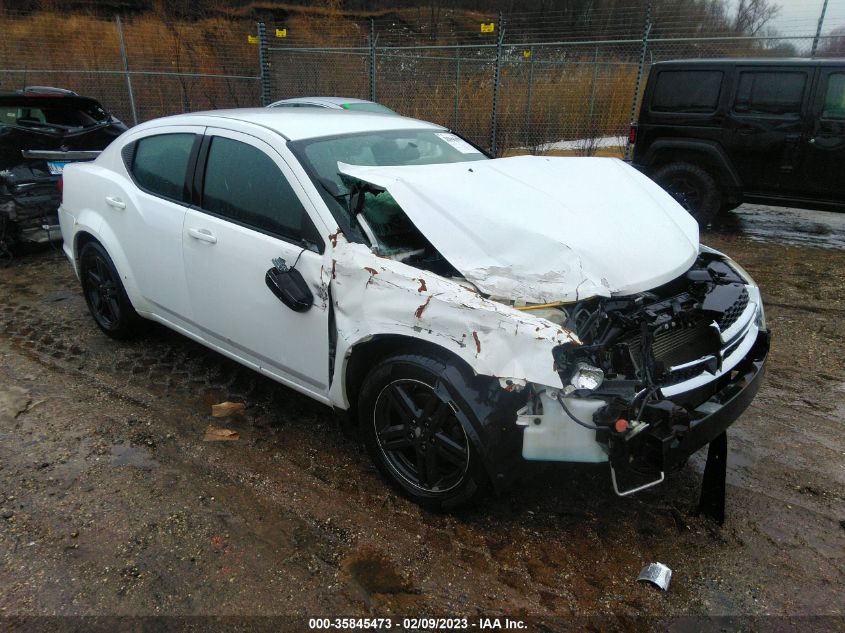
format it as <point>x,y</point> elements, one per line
<point>687,91</point>
<point>834,99</point>
<point>161,163</point>
<point>776,93</point>
<point>244,185</point>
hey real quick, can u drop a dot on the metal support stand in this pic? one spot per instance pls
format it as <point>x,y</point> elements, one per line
<point>712,501</point>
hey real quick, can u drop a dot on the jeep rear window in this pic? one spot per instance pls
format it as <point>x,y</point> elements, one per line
<point>687,91</point>
<point>778,93</point>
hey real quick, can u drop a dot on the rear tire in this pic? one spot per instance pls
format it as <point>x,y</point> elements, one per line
<point>105,295</point>
<point>417,432</point>
<point>693,188</point>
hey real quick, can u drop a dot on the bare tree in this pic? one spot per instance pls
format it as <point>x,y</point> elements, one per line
<point>753,15</point>
<point>833,46</point>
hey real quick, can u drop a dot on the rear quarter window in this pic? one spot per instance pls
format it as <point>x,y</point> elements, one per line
<point>770,92</point>
<point>687,91</point>
<point>161,163</point>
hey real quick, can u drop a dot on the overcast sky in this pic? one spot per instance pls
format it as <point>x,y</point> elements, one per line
<point>799,15</point>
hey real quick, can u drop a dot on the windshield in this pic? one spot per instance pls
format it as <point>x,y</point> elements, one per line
<point>365,106</point>
<point>404,147</point>
<point>383,222</point>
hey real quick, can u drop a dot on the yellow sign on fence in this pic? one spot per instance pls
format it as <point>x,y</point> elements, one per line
<point>488,27</point>
<point>526,54</point>
<point>281,32</point>
<point>252,39</point>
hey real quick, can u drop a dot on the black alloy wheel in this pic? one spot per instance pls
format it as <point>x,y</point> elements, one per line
<point>419,428</point>
<point>420,436</point>
<point>105,295</point>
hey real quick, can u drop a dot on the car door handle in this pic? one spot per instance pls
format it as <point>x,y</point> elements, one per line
<point>115,202</point>
<point>203,235</point>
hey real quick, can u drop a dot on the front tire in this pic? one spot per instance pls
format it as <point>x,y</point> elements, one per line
<point>417,431</point>
<point>693,188</point>
<point>105,295</point>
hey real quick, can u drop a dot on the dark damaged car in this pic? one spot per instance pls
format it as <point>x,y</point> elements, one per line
<point>41,130</point>
<point>474,314</point>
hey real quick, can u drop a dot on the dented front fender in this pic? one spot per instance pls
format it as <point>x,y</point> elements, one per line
<point>374,296</point>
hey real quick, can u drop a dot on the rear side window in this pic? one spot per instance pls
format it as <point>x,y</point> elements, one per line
<point>687,91</point>
<point>777,93</point>
<point>161,164</point>
<point>834,99</point>
<point>244,185</point>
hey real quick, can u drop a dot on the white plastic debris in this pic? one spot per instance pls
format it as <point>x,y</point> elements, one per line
<point>657,574</point>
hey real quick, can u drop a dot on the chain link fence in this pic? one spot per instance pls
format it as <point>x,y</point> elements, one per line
<point>140,68</point>
<point>556,83</point>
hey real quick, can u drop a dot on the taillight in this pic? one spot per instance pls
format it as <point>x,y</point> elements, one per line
<point>632,134</point>
<point>60,183</point>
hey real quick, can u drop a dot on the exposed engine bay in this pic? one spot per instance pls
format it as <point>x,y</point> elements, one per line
<point>655,366</point>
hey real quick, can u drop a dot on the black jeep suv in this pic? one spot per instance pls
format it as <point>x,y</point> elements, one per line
<point>716,133</point>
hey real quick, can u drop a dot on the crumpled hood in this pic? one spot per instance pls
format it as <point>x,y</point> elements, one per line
<point>543,229</point>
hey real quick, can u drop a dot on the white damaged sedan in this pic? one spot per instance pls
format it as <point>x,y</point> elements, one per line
<point>472,313</point>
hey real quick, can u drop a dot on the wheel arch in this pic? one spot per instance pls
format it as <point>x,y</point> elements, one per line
<point>493,430</point>
<point>708,155</point>
<point>365,354</point>
<point>86,234</point>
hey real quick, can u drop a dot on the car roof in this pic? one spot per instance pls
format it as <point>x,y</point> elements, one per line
<point>760,61</point>
<point>299,123</point>
<point>325,101</point>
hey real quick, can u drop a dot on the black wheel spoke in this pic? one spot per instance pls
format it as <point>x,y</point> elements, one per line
<point>101,269</point>
<point>449,449</point>
<point>422,467</point>
<point>93,278</point>
<point>403,402</point>
<point>432,474</point>
<point>114,308</point>
<point>441,413</point>
<point>397,437</point>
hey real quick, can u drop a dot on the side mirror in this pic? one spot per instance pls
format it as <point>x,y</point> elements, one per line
<point>290,287</point>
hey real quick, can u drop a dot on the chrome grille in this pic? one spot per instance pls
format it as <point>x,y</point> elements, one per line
<point>730,315</point>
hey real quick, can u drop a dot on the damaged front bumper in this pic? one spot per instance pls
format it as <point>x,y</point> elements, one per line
<point>655,438</point>
<point>673,432</point>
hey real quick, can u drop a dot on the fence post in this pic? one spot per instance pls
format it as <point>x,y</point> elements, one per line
<point>593,88</point>
<point>496,82</point>
<point>529,93</point>
<point>122,42</point>
<point>373,39</point>
<point>819,30</point>
<point>455,114</point>
<point>263,66</point>
<point>636,98</point>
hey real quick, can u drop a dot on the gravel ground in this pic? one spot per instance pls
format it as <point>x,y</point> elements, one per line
<point>111,503</point>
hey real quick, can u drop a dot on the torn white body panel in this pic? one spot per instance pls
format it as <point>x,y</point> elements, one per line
<point>375,296</point>
<point>541,229</point>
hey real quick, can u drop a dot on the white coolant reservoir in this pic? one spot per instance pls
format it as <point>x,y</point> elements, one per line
<point>553,436</point>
